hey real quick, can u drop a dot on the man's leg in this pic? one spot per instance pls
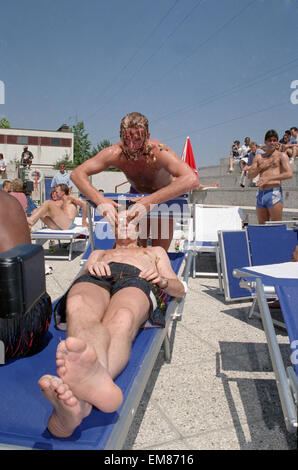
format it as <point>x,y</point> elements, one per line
<point>127,311</point>
<point>82,359</point>
<point>50,223</point>
<point>262,215</point>
<point>275,212</point>
<point>232,162</point>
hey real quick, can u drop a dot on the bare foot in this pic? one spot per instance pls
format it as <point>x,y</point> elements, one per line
<point>89,380</point>
<point>68,411</point>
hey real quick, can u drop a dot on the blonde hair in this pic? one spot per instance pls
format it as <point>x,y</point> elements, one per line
<point>133,120</point>
<point>17,185</point>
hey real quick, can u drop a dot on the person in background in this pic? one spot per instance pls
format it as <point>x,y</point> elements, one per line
<point>6,186</point>
<point>2,165</point>
<point>234,155</point>
<point>244,151</point>
<point>250,157</point>
<point>54,197</point>
<point>272,166</point>
<point>26,158</point>
<point>62,177</point>
<point>18,193</point>
<point>60,217</point>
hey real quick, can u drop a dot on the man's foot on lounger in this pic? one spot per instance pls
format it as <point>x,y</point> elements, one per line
<point>79,367</point>
<point>68,411</point>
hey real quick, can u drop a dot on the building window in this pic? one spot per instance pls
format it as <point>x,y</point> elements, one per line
<point>55,141</point>
<point>23,140</point>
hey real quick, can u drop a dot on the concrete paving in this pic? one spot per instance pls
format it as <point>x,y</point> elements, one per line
<point>218,391</point>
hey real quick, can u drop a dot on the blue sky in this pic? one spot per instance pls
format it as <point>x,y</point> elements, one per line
<point>213,70</point>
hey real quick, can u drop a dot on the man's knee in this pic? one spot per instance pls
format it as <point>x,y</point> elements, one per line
<point>123,321</point>
<point>77,306</point>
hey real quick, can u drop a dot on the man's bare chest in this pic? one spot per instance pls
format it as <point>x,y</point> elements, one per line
<point>140,170</point>
<point>272,162</point>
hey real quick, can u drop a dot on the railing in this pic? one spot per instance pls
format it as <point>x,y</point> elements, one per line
<point>118,186</point>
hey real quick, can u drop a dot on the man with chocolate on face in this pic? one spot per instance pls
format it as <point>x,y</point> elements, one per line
<point>151,168</point>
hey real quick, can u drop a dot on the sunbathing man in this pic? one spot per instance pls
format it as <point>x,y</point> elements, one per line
<point>118,292</point>
<point>148,165</point>
<point>272,167</point>
<point>60,217</point>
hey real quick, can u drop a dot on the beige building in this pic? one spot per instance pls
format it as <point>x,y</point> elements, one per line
<point>46,146</point>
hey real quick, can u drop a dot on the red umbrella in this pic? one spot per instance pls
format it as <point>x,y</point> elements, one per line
<point>188,156</point>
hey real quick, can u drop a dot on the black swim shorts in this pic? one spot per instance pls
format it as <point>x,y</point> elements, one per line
<point>122,275</point>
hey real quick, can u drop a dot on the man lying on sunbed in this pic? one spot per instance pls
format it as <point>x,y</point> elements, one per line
<point>119,290</point>
<point>60,217</point>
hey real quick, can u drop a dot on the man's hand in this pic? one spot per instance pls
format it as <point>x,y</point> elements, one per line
<point>108,210</point>
<point>151,275</point>
<point>138,210</point>
<point>99,268</point>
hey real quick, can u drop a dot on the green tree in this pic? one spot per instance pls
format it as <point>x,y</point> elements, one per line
<point>81,145</point>
<point>4,123</point>
<point>102,145</point>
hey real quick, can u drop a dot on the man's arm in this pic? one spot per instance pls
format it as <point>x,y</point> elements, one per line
<point>97,164</point>
<point>185,179</point>
<point>53,183</point>
<point>255,167</point>
<point>163,274</point>
<point>83,205</point>
<point>100,162</point>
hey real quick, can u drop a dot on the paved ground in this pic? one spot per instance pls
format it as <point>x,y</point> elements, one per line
<point>218,391</point>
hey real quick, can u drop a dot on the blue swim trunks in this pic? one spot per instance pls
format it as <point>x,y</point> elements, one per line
<point>269,197</point>
<point>122,275</point>
<point>72,225</point>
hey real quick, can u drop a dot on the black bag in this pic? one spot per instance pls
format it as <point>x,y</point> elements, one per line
<point>22,279</point>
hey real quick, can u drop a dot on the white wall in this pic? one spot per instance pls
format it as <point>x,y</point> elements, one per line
<point>42,154</point>
<point>107,180</point>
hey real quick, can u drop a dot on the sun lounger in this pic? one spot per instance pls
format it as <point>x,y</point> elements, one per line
<point>70,236</point>
<point>24,412</point>
<point>203,235</point>
<point>284,278</point>
<point>254,245</point>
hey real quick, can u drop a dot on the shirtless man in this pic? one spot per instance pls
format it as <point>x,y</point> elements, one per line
<point>272,167</point>
<point>148,165</point>
<point>105,307</point>
<point>59,216</point>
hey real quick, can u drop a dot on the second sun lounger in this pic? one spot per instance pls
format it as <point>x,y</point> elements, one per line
<point>284,278</point>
